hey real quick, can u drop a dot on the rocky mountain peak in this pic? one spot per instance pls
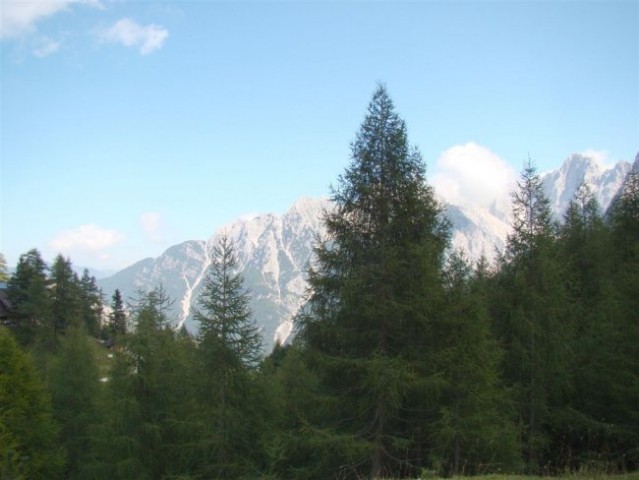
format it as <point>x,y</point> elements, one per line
<point>274,250</point>
<point>560,185</point>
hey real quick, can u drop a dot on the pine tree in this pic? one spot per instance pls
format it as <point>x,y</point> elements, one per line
<point>228,353</point>
<point>117,317</point>
<point>365,328</point>
<point>474,430</point>
<point>224,312</point>
<point>149,399</point>
<point>585,430</point>
<point>66,296</point>
<point>623,382</point>
<point>531,321</point>
<point>73,380</point>
<point>624,217</point>
<point>28,294</point>
<point>28,433</point>
<point>92,306</point>
<point>297,446</point>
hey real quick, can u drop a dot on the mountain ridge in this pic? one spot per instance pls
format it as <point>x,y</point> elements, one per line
<point>274,250</point>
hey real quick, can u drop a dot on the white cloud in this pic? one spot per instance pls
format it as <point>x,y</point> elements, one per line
<point>87,245</point>
<point>600,156</point>
<point>85,238</point>
<point>131,34</point>
<point>471,174</point>
<point>18,17</point>
<point>45,47</point>
<point>152,226</point>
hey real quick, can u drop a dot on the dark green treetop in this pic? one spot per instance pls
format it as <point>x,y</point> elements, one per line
<point>224,313</point>
<point>117,316</point>
<point>28,294</point>
<point>66,295</point>
<point>373,287</point>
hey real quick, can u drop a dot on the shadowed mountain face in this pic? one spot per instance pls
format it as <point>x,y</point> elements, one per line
<point>275,250</point>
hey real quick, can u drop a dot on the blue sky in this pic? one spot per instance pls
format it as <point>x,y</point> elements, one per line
<point>127,127</point>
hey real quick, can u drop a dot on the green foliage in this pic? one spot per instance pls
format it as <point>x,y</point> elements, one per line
<point>532,318</point>
<point>224,314</point>
<point>144,432</point>
<point>44,306</point>
<point>298,446</point>
<point>28,433</point>
<point>27,291</point>
<point>624,216</point>
<point>66,297</point>
<point>373,294</point>
<point>92,304</point>
<point>474,431</point>
<point>229,351</point>
<point>407,362</point>
<point>116,327</point>
<point>73,380</point>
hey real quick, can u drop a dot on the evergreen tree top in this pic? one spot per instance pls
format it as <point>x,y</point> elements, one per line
<point>382,197</point>
<point>224,313</point>
<point>532,218</point>
<point>381,159</point>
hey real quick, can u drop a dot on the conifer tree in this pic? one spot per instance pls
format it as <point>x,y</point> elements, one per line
<point>531,321</point>
<point>92,307</point>
<point>28,433</point>
<point>66,296</point>
<point>149,394</point>
<point>474,430</point>
<point>624,216</point>
<point>583,432</point>
<point>73,380</point>
<point>298,446</point>
<point>623,380</point>
<point>224,312</point>
<point>366,327</point>
<point>117,317</point>
<point>229,351</point>
<point>27,291</point>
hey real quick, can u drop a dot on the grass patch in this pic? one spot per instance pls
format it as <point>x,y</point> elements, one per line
<point>585,475</point>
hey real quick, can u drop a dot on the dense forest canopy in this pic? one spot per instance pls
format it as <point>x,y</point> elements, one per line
<point>407,358</point>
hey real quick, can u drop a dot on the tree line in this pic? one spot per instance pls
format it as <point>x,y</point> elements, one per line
<point>407,359</point>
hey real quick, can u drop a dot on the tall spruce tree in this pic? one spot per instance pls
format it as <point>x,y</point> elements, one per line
<point>474,431</point>
<point>117,317</point>
<point>624,216</point>
<point>584,431</point>
<point>28,294</point>
<point>92,306</point>
<point>366,328</point>
<point>228,354</point>
<point>624,382</point>
<point>531,322</point>
<point>223,311</point>
<point>73,382</point>
<point>66,295</point>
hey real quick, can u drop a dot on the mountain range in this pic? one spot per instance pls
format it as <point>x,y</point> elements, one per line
<point>274,250</point>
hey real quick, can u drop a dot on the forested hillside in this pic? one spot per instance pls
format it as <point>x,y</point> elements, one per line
<point>406,362</point>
